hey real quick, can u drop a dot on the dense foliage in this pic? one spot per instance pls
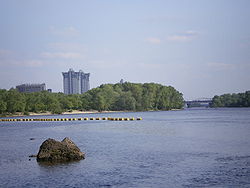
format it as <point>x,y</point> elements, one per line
<point>232,100</point>
<point>113,97</point>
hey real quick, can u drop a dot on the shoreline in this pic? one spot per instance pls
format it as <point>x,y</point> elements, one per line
<point>75,112</point>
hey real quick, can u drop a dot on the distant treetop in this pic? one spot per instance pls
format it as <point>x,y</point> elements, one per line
<point>232,100</point>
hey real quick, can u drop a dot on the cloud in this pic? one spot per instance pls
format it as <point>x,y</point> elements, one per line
<point>71,47</point>
<point>183,37</point>
<point>150,66</point>
<point>64,32</point>
<point>153,40</point>
<point>62,55</point>
<point>4,52</point>
<point>9,59</point>
<point>32,63</point>
<point>65,51</point>
<point>157,19</point>
<point>23,63</point>
<point>220,66</point>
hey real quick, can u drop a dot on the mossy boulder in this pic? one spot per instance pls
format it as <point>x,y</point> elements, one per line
<point>56,151</point>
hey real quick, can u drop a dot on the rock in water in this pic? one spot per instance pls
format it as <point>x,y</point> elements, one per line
<point>55,151</point>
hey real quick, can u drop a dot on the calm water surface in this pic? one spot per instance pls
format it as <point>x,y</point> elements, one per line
<point>188,148</point>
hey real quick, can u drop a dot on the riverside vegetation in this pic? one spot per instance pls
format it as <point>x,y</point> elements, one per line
<point>107,97</point>
<point>232,100</point>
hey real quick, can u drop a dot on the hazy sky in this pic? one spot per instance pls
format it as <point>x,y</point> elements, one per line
<point>200,47</point>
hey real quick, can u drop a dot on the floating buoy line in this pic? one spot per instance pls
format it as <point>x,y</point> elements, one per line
<point>73,119</point>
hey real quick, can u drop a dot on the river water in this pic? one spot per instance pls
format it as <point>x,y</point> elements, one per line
<point>199,147</point>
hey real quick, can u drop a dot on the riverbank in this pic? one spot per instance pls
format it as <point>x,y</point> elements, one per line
<point>19,114</point>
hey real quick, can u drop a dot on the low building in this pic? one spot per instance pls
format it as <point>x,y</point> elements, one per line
<point>29,88</point>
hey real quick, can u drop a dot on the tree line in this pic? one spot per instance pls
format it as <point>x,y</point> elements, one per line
<point>107,97</point>
<point>232,100</point>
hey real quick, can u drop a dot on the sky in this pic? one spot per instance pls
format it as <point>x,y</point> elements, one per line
<point>200,47</point>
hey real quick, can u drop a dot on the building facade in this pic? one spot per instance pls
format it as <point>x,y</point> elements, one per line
<point>29,88</point>
<point>75,82</point>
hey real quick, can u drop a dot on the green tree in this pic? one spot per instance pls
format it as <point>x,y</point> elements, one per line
<point>126,102</point>
<point>232,100</point>
<point>55,108</point>
<point>3,107</point>
<point>86,99</point>
<point>127,96</point>
<point>15,101</point>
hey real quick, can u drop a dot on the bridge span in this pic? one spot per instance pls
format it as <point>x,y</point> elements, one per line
<point>198,102</point>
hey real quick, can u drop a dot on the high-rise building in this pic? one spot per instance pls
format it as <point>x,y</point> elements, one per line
<point>84,81</point>
<point>75,82</point>
<point>29,88</point>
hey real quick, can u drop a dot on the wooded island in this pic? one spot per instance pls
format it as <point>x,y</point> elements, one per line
<point>232,100</point>
<point>107,97</point>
